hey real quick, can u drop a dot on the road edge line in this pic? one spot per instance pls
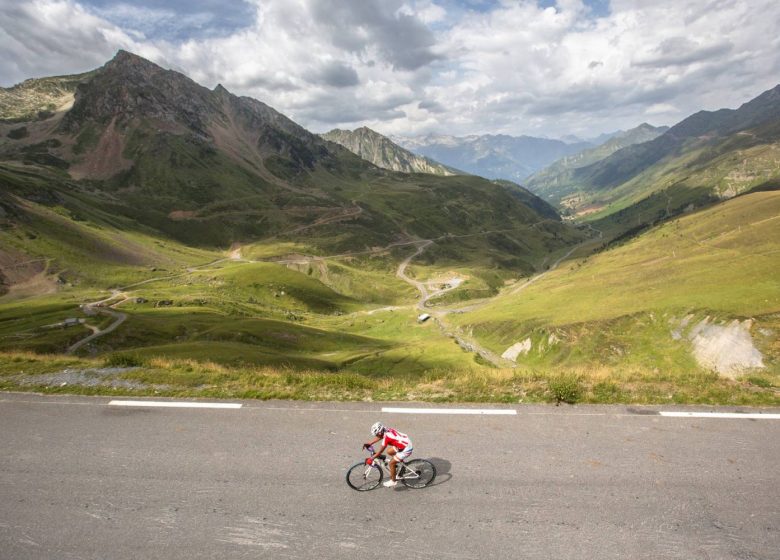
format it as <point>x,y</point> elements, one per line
<point>174,404</point>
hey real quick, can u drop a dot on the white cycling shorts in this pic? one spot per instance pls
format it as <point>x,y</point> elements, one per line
<point>403,455</point>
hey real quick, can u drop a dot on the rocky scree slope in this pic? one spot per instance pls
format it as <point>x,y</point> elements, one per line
<point>37,98</point>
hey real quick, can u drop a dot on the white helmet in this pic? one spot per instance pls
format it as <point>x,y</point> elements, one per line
<point>377,429</point>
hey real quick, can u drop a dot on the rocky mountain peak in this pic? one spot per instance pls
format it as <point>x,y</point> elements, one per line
<point>138,72</point>
<point>129,86</point>
<point>383,152</point>
<point>123,58</point>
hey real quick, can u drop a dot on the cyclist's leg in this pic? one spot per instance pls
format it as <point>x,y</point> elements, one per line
<point>398,457</point>
<point>391,451</point>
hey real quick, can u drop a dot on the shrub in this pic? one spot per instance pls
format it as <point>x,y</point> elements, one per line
<point>18,133</point>
<point>124,360</point>
<point>565,388</point>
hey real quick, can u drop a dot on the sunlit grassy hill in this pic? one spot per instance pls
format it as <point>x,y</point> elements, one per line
<point>622,306</point>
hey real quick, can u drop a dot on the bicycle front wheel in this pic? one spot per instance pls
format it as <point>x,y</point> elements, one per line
<point>362,477</point>
<point>418,473</point>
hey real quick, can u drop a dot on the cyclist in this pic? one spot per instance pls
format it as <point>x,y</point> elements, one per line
<point>398,446</point>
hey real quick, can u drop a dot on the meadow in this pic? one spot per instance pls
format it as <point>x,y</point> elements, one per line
<point>281,318</point>
<point>618,308</point>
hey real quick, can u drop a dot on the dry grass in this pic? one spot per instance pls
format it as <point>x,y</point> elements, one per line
<point>190,378</point>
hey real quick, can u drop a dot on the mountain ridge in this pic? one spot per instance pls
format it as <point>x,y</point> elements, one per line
<point>554,182</point>
<point>209,167</point>
<point>706,157</point>
<point>383,152</point>
<point>696,127</point>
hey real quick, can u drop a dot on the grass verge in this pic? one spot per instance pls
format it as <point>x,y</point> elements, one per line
<point>188,378</point>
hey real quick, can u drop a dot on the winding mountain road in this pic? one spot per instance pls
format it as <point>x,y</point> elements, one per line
<point>98,307</point>
<point>466,342</point>
<point>401,272</point>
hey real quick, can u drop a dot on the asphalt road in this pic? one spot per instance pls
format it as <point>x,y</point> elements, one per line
<point>81,479</point>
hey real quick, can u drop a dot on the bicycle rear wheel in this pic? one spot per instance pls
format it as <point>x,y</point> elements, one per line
<point>418,473</point>
<point>362,477</point>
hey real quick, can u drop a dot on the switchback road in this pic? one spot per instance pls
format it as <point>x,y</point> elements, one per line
<point>80,478</point>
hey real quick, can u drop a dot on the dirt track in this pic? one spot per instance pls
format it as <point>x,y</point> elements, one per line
<point>98,307</point>
<point>438,315</point>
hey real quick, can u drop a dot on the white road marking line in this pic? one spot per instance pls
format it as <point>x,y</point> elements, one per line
<point>261,408</point>
<point>449,411</point>
<point>739,415</point>
<point>177,404</point>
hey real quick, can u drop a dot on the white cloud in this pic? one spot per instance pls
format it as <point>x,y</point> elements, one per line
<point>661,109</point>
<point>51,37</point>
<point>425,10</point>
<point>556,71</point>
<point>444,66</point>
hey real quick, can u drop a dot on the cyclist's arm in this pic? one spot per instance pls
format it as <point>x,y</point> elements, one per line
<point>381,450</point>
<point>378,453</point>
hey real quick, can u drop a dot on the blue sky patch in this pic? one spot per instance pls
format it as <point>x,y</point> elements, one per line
<point>176,20</point>
<point>598,8</point>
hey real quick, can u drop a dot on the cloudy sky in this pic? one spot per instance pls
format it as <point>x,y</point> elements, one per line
<point>538,67</point>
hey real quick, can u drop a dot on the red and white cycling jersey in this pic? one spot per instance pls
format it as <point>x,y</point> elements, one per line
<point>396,439</point>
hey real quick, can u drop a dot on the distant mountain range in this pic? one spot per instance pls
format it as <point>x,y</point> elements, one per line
<point>709,156</point>
<point>492,156</point>
<point>554,182</point>
<point>384,153</point>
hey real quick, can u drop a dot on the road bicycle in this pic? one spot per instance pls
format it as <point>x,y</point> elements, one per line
<point>417,473</point>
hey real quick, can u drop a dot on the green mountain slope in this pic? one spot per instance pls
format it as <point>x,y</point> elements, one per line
<point>555,182</point>
<point>707,157</point>
<point>210,168</point>
<point>221,249</point>
<point>635,306</point>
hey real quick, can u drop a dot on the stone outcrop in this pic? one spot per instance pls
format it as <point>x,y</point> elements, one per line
<point>727,349</point>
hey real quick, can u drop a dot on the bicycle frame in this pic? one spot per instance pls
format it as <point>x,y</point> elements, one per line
<point>383,462</point>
